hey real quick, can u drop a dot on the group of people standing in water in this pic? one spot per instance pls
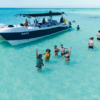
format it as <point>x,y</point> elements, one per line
<point>64,53</point>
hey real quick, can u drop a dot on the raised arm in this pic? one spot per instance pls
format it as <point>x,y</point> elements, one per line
<point>36,52</point>
<point>70,50</point>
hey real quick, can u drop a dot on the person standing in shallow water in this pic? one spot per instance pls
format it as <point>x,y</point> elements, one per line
<point>56,50</point>
<point>98,35</point>
<point>39,62</point>
<point>47,54</point>
<point>62,50</point>
<point>90,43</point>
<point>73,21</point>
<point>78,28</point>
<point>67,55</point>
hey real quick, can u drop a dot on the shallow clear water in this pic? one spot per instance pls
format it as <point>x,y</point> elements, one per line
<point>76,80</point>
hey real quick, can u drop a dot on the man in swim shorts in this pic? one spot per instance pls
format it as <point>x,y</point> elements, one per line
<point>90,43</point>
<point>62,50</point>
<point>98,35</point>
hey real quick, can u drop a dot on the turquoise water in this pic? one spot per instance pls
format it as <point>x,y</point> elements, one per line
<point>76,80</point>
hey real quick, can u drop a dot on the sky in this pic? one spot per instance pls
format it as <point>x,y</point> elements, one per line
<point>50,3</point>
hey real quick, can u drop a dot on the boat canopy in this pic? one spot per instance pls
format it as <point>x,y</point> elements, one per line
<point>40,15</point>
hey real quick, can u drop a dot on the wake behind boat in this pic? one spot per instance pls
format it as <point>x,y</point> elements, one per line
<point>17,34</point>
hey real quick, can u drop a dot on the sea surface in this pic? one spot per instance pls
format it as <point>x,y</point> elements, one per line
<point>77,80</point>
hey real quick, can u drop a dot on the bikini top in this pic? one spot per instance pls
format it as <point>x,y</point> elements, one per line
<point>47,54</point>
<point>67,57</point>
<point>56,50</point>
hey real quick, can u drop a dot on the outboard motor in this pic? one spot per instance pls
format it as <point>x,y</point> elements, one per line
<point>69,23</point>
<point>2,25</point>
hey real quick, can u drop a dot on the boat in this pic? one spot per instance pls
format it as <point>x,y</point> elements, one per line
<point>17,34</point>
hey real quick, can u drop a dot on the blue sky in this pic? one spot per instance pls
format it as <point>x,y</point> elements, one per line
<point>50,3</point>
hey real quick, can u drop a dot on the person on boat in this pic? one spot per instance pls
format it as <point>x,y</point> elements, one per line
<point>62,20</point>
<point>90,43</point>
<point>67,55</point>
<point>98,35</point>
<point>62,49</point>
<point>47,54</point>
<point>29,22</point>
<point>50,11</point>
<point>34,23</point>
<point>65,20</point>
<point>39,63</point>
<point>56,50</point>
<point>26,23</point>
<point>78,28</point>
<point>43,21</point>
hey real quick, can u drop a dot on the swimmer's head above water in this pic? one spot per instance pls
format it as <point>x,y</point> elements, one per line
<point>48,50</point>
<point>55,47</point>
<point>91,38</point>
<point>73,21</point>
<point>40,56</point>
<point>67,52</point>
<point>61,45</point>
